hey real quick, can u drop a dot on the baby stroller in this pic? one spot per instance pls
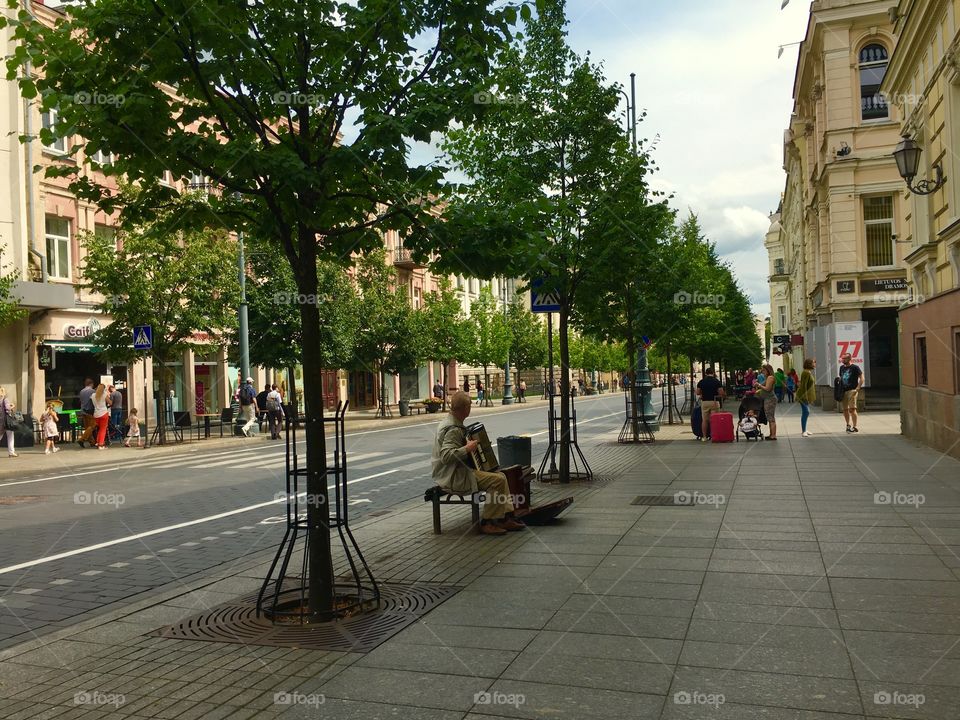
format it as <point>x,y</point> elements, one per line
<point>751,402</point>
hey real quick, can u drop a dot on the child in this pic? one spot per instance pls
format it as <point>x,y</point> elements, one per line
<point>749,426</point>
<point>133,421</point>
<point>51,433</point>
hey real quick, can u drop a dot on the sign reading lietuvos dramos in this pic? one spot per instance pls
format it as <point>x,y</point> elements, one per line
<point>872,285</point>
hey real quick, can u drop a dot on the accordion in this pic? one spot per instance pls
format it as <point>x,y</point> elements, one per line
<point>483,458</point>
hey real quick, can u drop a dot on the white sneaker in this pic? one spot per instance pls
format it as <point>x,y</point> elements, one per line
<point>13,454</point>
<point>56,449</point>
<point>47,451</point>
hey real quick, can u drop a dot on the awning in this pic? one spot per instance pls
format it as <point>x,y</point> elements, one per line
<point>72,347</point>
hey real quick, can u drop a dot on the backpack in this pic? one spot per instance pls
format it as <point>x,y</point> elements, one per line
<point>837,389</point>
<point>272,404</point>
<point>247,395</point>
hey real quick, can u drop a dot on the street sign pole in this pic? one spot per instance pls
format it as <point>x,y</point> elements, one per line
<point>551,433</point>
<point>143,340</point>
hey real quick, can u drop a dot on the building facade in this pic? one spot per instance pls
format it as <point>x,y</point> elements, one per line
<point>923,82</point>
<point>838,269</point>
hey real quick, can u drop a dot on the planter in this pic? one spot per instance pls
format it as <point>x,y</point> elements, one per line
<point>432,408</point>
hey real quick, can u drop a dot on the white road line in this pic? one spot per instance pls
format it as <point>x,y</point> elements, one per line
<point>60,477</point>
<point>157,531</point>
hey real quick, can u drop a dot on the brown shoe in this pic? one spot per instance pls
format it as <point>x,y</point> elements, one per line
<point>512,525</point>
<point>491,529</point>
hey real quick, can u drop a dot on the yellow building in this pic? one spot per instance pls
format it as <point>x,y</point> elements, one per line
<point>837,271</point>
<point>923,83</point>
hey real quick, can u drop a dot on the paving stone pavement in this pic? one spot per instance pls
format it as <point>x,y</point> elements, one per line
<point>814,579</point>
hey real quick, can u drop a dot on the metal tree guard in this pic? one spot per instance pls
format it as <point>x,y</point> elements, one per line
<point>635,428</point>
<point>579,468</point>
<point>285,597</point>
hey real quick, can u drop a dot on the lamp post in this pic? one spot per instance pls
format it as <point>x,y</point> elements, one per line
<point>244,326</point>
<point>907,156</point>
<point>643,387</point>
<point>507,385</point>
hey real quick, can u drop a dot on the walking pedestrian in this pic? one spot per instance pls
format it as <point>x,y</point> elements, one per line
<point>274,408</point>
<point>790,385</point>
<point>133,434</point>
<point>479,393</point>
<point>101,414</point>
<point>523,391</point>
<point>710,391</point>
<point>851,380</point>
<point>116,413</point>
<point>806,394</point>
<point>438,391</point>
<point>48,426</point>
<point>6,425</point>
<point>248,406</point>
<point>86,412</point>
<point>779,384</point>
<point>765,391</point>
<point>466,384</point>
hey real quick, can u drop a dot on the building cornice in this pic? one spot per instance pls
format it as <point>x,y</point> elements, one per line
<point>915,33</point>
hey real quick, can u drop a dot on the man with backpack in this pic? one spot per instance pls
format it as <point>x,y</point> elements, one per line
<point>274,408</point>
<point>248,406</point>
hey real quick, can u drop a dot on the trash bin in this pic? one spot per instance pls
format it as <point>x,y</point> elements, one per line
<point>514,450</point>
<point>404,407</point>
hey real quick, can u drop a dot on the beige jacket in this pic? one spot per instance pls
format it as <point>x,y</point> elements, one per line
<point>450,469</point>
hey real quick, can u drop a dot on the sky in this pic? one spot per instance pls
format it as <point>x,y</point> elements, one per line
<point>718,97</point>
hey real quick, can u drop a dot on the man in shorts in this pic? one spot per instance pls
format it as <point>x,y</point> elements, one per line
<point>851,380</point>
<point>710,391</point>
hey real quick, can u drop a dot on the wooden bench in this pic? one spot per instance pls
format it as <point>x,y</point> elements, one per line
<point>417,405</point>
<point>438,496</point>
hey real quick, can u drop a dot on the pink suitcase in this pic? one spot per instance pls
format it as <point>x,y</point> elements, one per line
<point>721,427</point>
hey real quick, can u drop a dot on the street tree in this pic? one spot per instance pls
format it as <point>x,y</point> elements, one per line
<point>538,162</point>
<point>443,329</point>
<point>274,315</point>
<point>388,340</point>
<point>528,344</point>
<point>302,115</point>
<point>170,279</point>
<point>489,336</point>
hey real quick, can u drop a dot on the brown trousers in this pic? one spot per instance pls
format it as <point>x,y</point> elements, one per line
<point>498,501</point>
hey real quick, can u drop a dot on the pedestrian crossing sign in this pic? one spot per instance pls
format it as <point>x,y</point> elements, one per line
<point>143,337</point>
<point>542,299</point>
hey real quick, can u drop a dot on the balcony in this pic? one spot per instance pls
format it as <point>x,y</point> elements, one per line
<point>43,296</point>
<point>779,270</point>
<point>403,259</point>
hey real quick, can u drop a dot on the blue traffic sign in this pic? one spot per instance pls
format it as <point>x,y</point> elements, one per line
<point>543,300</point>
<point>143,337</point>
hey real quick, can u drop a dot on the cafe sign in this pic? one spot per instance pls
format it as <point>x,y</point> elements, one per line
<point>81,332</point>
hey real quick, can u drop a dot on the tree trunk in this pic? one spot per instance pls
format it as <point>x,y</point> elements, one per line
<point>321,589</point>
<point>443,375</point>
<point>161,408</point>
<point>669,387</point>
<point>564,393</point>
<point>632,374</point>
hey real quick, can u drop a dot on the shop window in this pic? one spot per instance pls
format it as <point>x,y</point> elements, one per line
<point>58,247</point>
<point>873,66</point>
<point>58,146</point>
<point>878,229</point>
<point>920,359</point>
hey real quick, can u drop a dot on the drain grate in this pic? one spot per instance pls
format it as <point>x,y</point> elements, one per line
<point>670,500</point>
<point>237,622</point>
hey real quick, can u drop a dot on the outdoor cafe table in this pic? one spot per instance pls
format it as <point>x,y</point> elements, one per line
<point>206,422</point>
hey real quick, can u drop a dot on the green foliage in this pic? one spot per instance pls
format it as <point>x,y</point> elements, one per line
<point>528,347</point>
<point>388,339</point>
<point>274,318</point>
<point>443,329</point>
<point>10,310</point>
<point>177,282</point>
<point>489,332</point>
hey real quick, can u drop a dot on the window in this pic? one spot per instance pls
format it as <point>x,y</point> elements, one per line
<point>58,247</point>
<point>101,157</point>
<point>878,219</point>
<point>417,297</point>
<point>49,119</point>
<point>459,282</point>
<point>782,312</point>
<point>107,232</point>
<point>920,358</point>
<point>873,66</point>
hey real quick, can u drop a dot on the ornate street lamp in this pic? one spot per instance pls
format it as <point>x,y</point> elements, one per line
<point>907,156</point>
